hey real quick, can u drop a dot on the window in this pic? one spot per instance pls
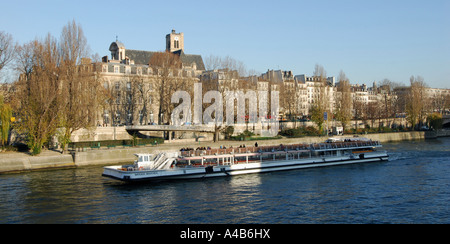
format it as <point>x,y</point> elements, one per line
<point>116,69</point>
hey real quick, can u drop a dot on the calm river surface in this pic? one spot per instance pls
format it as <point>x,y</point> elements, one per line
<point>413,187</point>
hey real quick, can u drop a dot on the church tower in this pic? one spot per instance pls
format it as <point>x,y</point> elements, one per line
<point>175,42</point>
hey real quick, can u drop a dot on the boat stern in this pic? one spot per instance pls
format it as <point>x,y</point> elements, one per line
<point>115,172</point>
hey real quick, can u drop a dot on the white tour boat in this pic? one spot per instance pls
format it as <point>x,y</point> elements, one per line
<point>194,164</point>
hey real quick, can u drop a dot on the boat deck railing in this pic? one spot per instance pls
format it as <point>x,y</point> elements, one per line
<point>280,148</point>
<point>340,145</point>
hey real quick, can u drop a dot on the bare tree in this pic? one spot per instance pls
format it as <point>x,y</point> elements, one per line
<point>320,104</point>
<point>215,62</point>
<point>360,110</point>
<point>289,98</point>
<point>7,52</point>
<point>389,100</point>
<point>80,83</point>
<point>7,49</point>
<point>141,95</point>
<point>169,79</point>
<point>111,97</point>
<point>446,104</point>
<point>58,87</point>
<point>416,103</point>
<point>73,44</point>
<point>373,112</point>
<point>39,91</point>
<point>438,102</point>
<point>343,101</point>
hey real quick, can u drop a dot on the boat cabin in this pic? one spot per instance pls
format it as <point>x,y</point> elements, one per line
<point>143,159</point>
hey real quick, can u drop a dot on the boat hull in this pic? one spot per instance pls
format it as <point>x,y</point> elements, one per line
<point>238,169</point>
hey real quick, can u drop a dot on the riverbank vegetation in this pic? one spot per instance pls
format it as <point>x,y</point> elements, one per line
<point>5,122</point>
<point>57,88</point>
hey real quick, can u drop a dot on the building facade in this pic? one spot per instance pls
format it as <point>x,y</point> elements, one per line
<point>132,83</point>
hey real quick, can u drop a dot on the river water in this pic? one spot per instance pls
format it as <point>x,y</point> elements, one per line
<point>412,187</point>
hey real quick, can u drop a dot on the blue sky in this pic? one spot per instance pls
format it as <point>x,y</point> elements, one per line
<point>368,40</point>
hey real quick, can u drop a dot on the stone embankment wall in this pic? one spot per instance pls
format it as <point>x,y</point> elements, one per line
<point>16,162</point>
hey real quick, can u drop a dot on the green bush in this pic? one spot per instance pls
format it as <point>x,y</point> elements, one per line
<point>301,132</point>
<point>435,121</point>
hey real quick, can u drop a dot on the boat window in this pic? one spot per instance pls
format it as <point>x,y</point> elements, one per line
<point>140,159</point>
<point>146,158</point>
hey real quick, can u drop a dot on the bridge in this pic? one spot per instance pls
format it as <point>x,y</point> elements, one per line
<point>446,121</point>
<point>136,129</point>
<point>192,128</point>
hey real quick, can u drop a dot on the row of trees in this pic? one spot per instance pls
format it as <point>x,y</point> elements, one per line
<point>7,50</point>
<point>57,88</point>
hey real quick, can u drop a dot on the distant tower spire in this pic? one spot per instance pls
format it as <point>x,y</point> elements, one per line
<point>175,41</point>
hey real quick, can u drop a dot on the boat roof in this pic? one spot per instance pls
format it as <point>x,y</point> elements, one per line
<point>242,154</point>
<point>343,144</point>
<point>340,139</point>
